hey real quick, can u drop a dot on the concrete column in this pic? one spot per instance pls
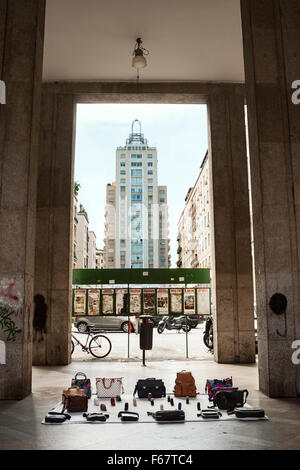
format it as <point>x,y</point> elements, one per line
<point>54,234</point>
<point>271,34</point>
<point>231,239</point>
<point>21,53</point>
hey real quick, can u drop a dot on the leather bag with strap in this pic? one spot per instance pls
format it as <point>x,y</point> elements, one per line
<point>229,400</point>
<point>80,380</point>
<point>154,386</point>
<point>109,387</point>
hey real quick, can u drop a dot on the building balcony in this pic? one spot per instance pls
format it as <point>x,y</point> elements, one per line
<point>179,250</point>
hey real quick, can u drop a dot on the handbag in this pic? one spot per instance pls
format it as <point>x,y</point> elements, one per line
<point>76,403</point>
<point>217,389</point>
<point>168,415</point>
<point>229,400</point>
<point>83,383</point>
<point>72,391</point>
<point>249,412</point>
<point>154,386</point>
<point>185,385</point>
<point>109,387</point>
<point>211,384</point>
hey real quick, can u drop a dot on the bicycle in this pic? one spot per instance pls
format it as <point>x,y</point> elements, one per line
<point>99,345</point>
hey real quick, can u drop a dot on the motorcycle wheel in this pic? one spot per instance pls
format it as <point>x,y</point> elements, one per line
<point>186,328</point>
<point>160,329</point>
<point>208,340</point>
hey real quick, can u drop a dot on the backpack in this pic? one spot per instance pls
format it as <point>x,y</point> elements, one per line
<point>185,385</point>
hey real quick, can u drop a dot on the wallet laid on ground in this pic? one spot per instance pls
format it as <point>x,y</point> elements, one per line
<point>92,417</point>
<point>128,416</point>
<point>168,415</point>
<point>249,412</point>
<point>57,418</point>
<point>210,414</point>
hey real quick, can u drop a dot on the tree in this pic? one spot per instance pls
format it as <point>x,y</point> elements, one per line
<point>77,186</point>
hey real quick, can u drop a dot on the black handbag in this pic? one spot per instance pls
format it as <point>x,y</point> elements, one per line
<point>168,415</point>
<point>154,386</point>
<point>249,412</point>
<point>231,399</point>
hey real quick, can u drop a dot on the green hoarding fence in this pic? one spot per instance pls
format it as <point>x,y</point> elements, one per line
<point>133,299</point>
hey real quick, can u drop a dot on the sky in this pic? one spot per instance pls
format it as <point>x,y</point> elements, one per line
<point>178,131</point>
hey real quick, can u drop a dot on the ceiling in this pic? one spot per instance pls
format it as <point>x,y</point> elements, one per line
<point>187,39</point>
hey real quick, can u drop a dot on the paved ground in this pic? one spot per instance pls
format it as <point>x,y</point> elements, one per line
<point>20,426</point>
<point>168,345</point>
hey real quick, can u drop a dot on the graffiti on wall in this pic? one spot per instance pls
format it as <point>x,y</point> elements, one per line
<point>10,306</point>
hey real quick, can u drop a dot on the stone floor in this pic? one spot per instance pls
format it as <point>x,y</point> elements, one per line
<point>20,426</point>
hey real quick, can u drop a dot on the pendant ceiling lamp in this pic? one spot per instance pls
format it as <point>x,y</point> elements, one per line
<point>139,60</point>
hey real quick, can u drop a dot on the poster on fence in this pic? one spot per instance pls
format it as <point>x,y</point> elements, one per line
<point>79,302</point>
<point>121,301</point>
<point>203,301</point>
<point>162,302</point>
<point>107,301</point>
<point>135,301</point>
<point>176,301</point>
<point>94,302</point>
<point>189,301</point>
<point>149,301</point>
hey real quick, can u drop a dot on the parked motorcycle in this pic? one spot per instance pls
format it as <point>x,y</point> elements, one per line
<point>174,323</point>
<point>208,335</point>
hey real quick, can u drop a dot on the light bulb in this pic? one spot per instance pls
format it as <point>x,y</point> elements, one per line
<point>139,62</point>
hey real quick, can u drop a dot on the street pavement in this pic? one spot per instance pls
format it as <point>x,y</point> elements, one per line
<point>170,345</point>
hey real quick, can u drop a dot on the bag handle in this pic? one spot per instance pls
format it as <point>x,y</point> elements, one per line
<point>81,373</point>
<point>245,399</point>
<point>111,382</point>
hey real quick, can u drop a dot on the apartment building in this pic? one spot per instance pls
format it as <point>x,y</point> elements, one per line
<point>136,216</point>
<point>194,235</point>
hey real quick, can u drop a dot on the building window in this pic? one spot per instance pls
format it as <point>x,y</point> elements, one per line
<point>150,164</point>
<point>162,199</point>
<point>161,191</point>
<point>136,172</point>
<point>122,164</point>
<point>122,172</point>
<point>149,155</point>
<point>150,172</point>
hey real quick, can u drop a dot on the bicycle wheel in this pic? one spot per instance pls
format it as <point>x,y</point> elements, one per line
<point>72,347</point>
<point>100,346</point>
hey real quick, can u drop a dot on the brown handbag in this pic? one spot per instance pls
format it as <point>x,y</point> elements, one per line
<point>185,385</point>
<point>72,391</point>
<point>76,403</point>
